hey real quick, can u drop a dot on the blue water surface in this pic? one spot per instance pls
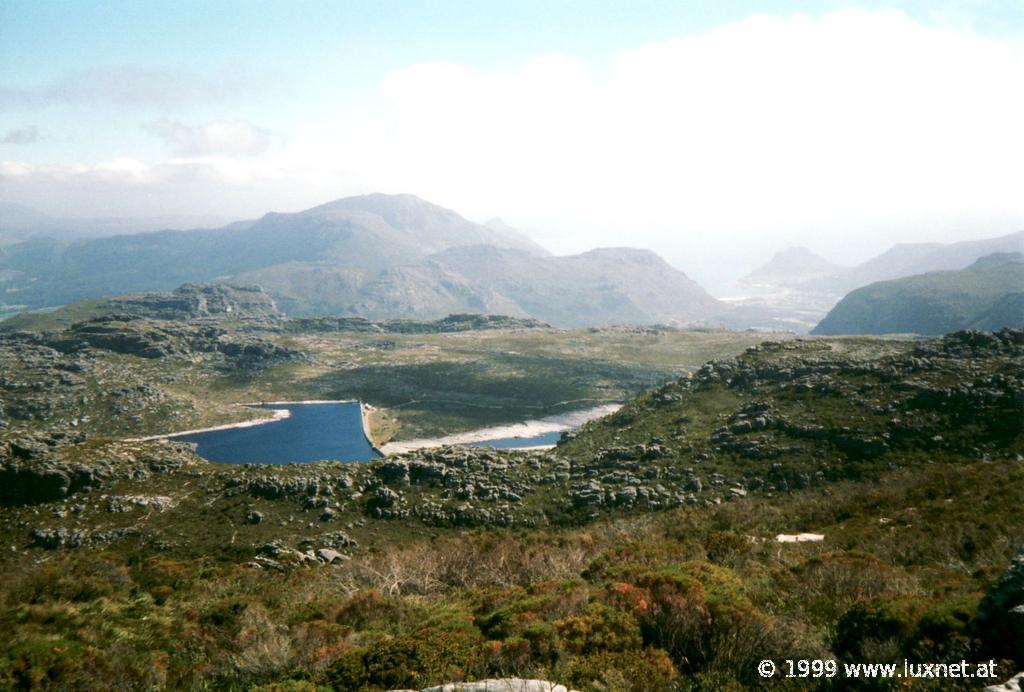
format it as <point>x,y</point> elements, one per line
<point>313,432</point>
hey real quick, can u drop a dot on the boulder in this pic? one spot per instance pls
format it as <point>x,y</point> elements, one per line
<point>1000,618</point>
<point>1014,684</point>
<point>329,556</point>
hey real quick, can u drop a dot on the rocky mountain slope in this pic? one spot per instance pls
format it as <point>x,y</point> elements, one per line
<point>985,295</point>
<point>401,574</point>
<point>364,234</point>
<point>797,289</point>
<point>610,285</point>
<point>154,363</point>
<point>916,258</point>
<point>375,256</point>
<point>782,416</point>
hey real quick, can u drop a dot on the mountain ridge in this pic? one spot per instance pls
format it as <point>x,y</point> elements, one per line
<point>375,256</point>
<point>984,295</point>
<point>910,259</point>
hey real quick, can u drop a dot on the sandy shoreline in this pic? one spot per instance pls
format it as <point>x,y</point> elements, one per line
<point>279,414</point>
<point>530,428</point>
<point>307,401</point>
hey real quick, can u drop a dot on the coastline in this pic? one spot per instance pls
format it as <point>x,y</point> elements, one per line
<point>307,401</point>
<point>530,428</point>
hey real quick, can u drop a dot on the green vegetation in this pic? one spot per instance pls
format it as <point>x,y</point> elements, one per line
<point>691,598</point>
<point>131,366</point>
<point>640,554</point>
<point>986,295</point>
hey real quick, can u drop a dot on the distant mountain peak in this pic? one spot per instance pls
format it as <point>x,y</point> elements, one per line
<point>499,224</point>
<point>374,255</point>
<point>391,206</point>
<point>791,266</point>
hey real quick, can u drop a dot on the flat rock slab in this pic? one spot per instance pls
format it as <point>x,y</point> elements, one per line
<point>497,685</point>
<point>799,537</point>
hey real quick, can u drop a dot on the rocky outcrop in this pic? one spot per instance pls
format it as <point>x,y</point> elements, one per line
<point>195,301</point>
<point>49,467</point>
<point>1000,617</point>
<point>60,538</point>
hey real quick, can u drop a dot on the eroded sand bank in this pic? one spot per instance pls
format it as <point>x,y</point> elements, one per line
<point>279,414</point>
<point>530,428</point>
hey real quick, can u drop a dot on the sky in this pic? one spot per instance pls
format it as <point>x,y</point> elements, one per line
<point>714,133</point>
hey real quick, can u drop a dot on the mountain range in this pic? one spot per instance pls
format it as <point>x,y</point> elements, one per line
<point>988,296</point>
<point>798,288</point>
<point>374,256</point>
<point>383,256</point>
<point>910,259</point>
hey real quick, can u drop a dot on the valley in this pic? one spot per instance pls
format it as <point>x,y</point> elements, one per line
<point>449,563</point>
<point>511,347</point>
<point>140,373</point>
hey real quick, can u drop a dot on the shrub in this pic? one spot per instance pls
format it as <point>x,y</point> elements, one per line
<point>943,632</point>
<point>599,628</point>
<point>894,625</point>
<point>81,578</point>
<point>371,610</point>
<point>727,548</point>
<point>647,670</point>
<point>442,649</point>
<point>827,585</point>
<point>700,614</point>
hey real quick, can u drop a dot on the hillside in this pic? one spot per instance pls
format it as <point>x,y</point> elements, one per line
<point>649,551</point>
<point>609,285</point>
<point>365,233</point>
<point>375,256</point>
<point>986,295</point>
<point>155,363</point>
<point>187,302</point>
<point>916,258</point>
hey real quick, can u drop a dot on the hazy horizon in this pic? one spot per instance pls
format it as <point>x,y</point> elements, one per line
<point>714,134</point>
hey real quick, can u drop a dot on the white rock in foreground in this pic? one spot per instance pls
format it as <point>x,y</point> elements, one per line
<point>1014,684</point>
<point>497,685</point>
<point>799,537</point>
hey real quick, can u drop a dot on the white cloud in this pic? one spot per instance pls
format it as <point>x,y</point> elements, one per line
<point>846,132</point>
<point>770,121</point>
<point>226,137</point>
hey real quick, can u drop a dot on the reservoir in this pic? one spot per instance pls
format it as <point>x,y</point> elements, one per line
<point>313,432</point>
